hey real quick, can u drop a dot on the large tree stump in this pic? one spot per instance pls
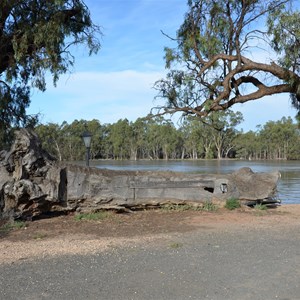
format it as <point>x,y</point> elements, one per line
<point>33,183</point>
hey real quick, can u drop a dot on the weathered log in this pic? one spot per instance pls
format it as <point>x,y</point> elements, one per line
<point>33,183</point>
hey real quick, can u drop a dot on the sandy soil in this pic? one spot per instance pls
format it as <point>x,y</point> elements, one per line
<point>66,235</point>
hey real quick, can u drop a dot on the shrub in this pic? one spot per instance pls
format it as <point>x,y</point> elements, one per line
<point>260,206</point>
<point>209,206</point>
<point>13,225</point>
<point>232,203</point>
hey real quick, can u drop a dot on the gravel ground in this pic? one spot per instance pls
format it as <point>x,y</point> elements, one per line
<point>237,255</point>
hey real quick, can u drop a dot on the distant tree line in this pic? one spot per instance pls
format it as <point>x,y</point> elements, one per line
<point>158,138</point>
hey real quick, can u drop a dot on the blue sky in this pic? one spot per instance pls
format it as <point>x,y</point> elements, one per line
<point>117,82</point>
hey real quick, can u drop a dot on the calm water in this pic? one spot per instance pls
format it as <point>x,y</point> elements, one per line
<point>288,185</point>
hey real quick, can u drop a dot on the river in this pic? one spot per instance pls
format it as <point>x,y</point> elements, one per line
<point>288,185</point>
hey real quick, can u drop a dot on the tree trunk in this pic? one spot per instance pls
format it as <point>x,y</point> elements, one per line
<point>58,151</point>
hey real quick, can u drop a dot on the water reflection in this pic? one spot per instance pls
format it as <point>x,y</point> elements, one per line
<point>288,185</point>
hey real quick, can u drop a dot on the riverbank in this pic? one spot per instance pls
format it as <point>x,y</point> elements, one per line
<point>66,235</point>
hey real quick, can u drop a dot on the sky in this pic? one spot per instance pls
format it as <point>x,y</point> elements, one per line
<point>117,83</point>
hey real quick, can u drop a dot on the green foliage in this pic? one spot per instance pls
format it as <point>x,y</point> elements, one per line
<point>260,206</point>
<point>156,138</point>
<point>97,216</point>
<point>232,203</point>
<point>12,225</point>
<point>284,28</point>
<point>247,145</point>
<point>209,206</point>
<point>36,37</point>
<point>211,67</point>
<point>121,135</point>
<point>274,140</point>
<point>206,206</point>
<point>65,142</point>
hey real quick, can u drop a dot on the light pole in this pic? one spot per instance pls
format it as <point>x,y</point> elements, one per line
<point>87,138</point>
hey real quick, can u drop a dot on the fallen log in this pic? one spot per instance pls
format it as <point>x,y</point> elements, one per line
<point>33,183</point>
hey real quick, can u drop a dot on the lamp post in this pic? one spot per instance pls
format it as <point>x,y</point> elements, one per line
<point>224,188</point>
<point>87,138</point>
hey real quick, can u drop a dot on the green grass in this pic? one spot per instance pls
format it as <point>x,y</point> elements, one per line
<point>209,206</point>
<point>260,206</point>
<point>206,206</point>
<point>232,203</point>
<point>260,209</point>
<point>97,216</point>
<point>12,225</point>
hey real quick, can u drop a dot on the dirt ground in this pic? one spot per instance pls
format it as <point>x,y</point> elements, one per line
<point>67,235</point>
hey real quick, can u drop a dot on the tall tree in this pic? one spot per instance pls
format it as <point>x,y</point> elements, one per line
<point>247,145</point>
<point>139,143</point>
<point>52,139</point>
<point>35,38</point>
<point>212,67</point>
<point>224,132</point>
<point>121,135</point>
<point>197,138</point>
<point>278,137</point>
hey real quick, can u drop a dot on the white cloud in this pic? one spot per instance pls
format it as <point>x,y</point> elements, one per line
<point>96,95</point>
<point>118,82</point>
<point>111,96</point>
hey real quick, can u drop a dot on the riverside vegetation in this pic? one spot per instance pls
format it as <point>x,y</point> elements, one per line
<point>157,138</point>
<point>214,49</point>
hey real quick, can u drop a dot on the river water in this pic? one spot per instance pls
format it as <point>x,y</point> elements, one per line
<point>288,185</point>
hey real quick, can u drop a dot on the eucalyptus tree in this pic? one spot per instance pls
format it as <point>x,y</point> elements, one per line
<point>247,145</point>
<point>106,145</point>
<point>229,52</point>
<point>278,137</point>
<point>192,132</point>
<point>73,147</point>
<point>96,129</point>
<point>36,38</point>
<point>213,136</point>
<point>169,140</point>
<point>139,143</point>
<point>287,136</point>
<point>121,137</point>
<point>162,138</point>
<point>153,137</point>
<point>224,130</point>
<point>52,139</point>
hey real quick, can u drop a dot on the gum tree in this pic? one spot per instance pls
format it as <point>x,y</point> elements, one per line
<point>36,37</point>
<point>223,131</point>
<point>229,52</point>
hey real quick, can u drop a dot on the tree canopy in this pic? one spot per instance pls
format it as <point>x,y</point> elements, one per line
<point>36,37</point>
<point>229,52</point>
<point>157,138</point>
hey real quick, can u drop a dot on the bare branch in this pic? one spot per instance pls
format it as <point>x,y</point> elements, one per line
<point>169,37</point>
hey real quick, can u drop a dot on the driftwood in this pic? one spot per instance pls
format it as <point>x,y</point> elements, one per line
<point>33,183</point>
